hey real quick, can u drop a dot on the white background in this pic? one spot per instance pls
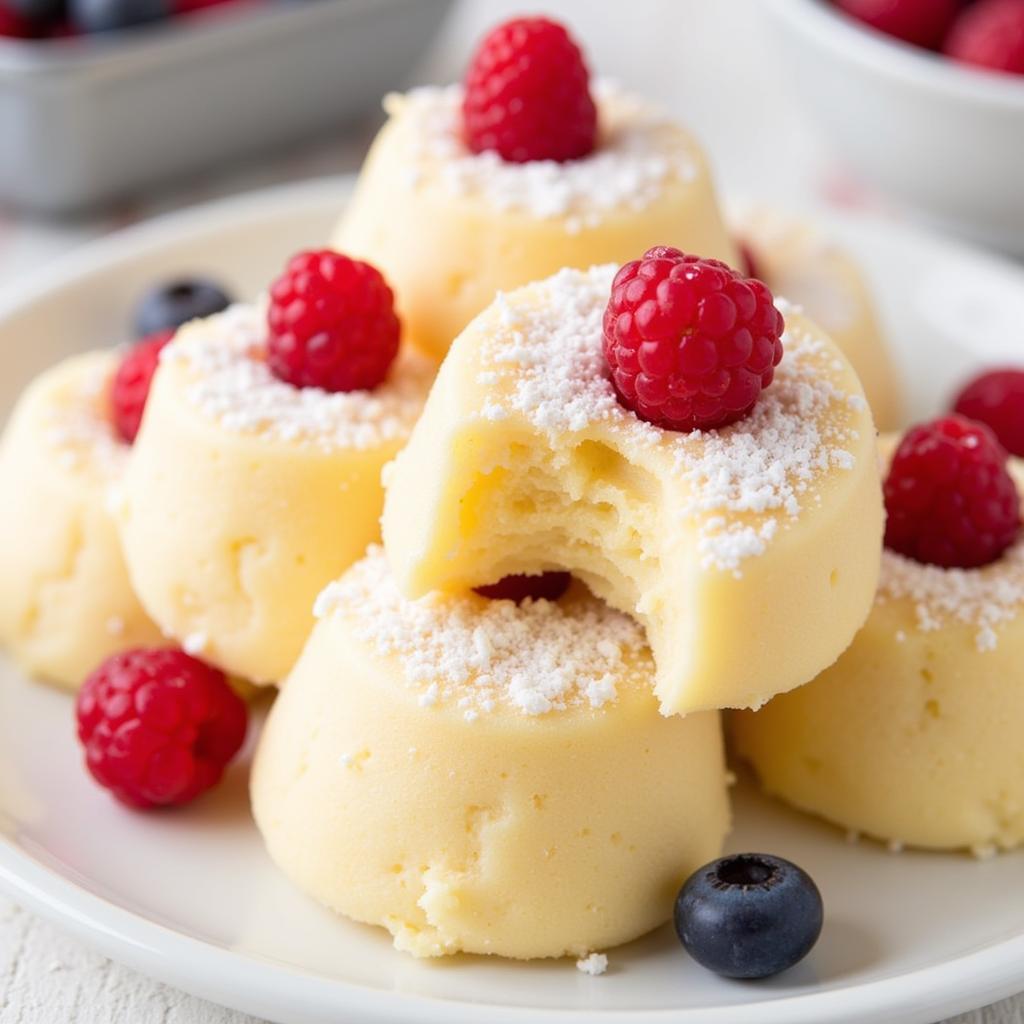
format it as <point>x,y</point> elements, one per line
<point>710,61</point>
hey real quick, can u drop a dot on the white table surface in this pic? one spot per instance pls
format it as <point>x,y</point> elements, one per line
<point>710,61</point>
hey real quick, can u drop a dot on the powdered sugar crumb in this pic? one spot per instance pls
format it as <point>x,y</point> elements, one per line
<point>232,384</point>
<point>746,480</point>
<point>534,657</point>
<point>195,643</point>
<point>983,598</point>
<point>594,965</point>
<point>640,149</point>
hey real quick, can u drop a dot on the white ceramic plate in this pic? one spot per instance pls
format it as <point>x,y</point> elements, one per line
<point>191,898</point>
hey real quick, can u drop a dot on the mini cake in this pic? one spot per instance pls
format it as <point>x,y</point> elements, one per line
<point>750,552</point>
<point>913,736</point>
<point>65,600</point>
<point>247,493</point>
<point>794,260</point>
<point>485,777</point>
<point>452,216</point>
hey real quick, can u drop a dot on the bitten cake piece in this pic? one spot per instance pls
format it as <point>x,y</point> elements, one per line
<point>519,172</point>
<point>248,493</point>
<point>65,600</point>
<point>483,776</point>
<point>749,551</point>
<point>794,259</point>
<point>913,735</point>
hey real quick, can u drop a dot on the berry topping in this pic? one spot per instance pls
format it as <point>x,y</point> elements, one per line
<point>990,34</point>
<point>168,306</point>
<point>691,342</point>
<point>130,387</point>
<point>749,915</point>
<point>528,96</point>
<point>332,323</point>
<point>949,498</point>
<point>549,586</point>
<point>920,22</point>
<point>158,726</point>
<point>996,398</point>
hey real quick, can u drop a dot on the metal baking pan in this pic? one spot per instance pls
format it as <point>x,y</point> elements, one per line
<point>96,118</point>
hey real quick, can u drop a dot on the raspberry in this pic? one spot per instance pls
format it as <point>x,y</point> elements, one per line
<point>130,388</point>
<point>691,342</point>
<point>527,94</point>
<point>990,34</point>
<point>332,323</point>
<point>158,726</point>
<point>547,585</point>
<point>949,498</point>
<point>919,22</point>
<point>13,24</point>
<point>996,398</point>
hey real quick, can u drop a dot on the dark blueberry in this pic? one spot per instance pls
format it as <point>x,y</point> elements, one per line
<point>750,915</point>
<point>109,15</point>
<point>38,11</point>
<point>170,305</point>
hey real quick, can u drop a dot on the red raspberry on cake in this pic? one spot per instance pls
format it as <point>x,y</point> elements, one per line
<point>919,22</point>
<point>527,94</point>
<point>949,498</point>
<point>996,398</point>
<point>332,323</point>
<point>549,586</point>
<point>990,34</point>
<point>130,387</point>
<point>158,726</point>
<point>691,343</point>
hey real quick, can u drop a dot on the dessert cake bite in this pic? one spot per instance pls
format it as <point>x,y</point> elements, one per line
<point>485,776</point>
<point>526,168</point>
<point>643,429</point>
<point>65,599</point>
<point>794,259</point>
<point>913,735</point>
<point>256,475</point>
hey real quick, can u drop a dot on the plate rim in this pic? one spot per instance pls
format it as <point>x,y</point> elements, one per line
<point>248,983</point>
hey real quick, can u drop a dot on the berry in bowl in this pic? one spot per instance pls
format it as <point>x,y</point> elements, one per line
<point>924,103</point>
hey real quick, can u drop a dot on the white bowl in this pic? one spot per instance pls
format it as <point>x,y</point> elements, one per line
<point>945,141</point>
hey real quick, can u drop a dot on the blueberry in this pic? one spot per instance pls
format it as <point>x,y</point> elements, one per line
<point>170,305</point>
<point>750,915</point>
<point>108,15</point>
<point>39,11</point>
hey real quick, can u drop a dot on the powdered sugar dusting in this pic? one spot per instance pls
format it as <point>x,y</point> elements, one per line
<point>80,429</point>
<point>747,480</point>
<point>226,354</point>
<point>768,464</point>
<point>639,150</point>
<point>535,657</point>
<point>984,598</point>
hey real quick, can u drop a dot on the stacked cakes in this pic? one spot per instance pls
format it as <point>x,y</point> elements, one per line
<point>509,595</point>
<point>473,750</point>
